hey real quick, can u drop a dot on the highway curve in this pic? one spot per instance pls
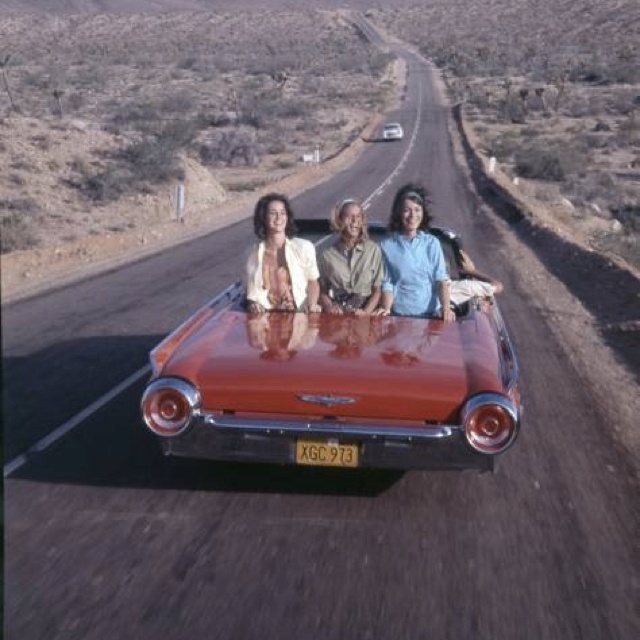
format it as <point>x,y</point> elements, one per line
<point>104,538</point>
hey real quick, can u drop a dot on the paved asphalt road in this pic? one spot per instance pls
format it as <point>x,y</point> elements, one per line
<point>105,538</point>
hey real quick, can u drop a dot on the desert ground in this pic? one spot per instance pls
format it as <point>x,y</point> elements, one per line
<point>106,107</point>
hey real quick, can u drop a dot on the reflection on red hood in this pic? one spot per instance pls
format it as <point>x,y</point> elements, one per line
<point>393,367</point>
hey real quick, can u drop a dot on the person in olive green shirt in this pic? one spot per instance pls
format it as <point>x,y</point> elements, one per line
<point>351,268</point>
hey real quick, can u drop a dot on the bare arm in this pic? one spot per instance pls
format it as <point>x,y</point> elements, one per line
<point>387,303</point>
<point>326,303</point>
<point>445,301</point>
<point>372,302</point>
<point>313,294</point>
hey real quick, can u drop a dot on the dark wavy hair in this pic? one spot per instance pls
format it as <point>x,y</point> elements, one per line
<point>416,193</point>
<point>260,215</point>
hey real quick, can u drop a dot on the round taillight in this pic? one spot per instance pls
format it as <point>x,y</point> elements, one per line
<point>169,405</point>
<point>490,423</point>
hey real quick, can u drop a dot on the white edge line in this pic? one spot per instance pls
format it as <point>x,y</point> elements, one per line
<point>62,430</point>
<point>72,423</point>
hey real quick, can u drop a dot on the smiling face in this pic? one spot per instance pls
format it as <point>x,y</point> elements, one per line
<point>412,215</point>
<point>351,220</point>
<point>276,217</point>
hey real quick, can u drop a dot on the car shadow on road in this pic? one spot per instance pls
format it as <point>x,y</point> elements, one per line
<point>150,470</point>
<point>112,447</point>
<point>382,140</point>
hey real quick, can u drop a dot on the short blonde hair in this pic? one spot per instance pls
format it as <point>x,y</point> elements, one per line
<point>336,214</point>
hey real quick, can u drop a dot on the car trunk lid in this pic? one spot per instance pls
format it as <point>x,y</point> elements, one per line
<point>357,367</point>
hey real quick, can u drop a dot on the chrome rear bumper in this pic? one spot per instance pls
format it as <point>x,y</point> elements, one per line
<point>241,440</point>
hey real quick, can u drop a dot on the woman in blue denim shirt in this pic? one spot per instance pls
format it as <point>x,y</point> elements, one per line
<point>416,281</point>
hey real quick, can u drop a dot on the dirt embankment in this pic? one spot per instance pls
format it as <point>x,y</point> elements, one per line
<point>591,299</point>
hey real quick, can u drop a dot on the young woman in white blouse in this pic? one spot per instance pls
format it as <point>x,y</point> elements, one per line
<point>281,272</point>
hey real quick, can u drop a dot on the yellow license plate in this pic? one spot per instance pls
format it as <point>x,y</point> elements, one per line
<point>326,454</point>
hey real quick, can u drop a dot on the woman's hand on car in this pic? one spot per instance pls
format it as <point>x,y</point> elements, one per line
<point>448,315</point>
<point>255,308</point>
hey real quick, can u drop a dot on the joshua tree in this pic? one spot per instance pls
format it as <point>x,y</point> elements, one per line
<point>524,93</point>
<point>279,79</point>
<point>560,83</point>
<point>507,95</point>
<point>57,94</point>
<point>235,100</point>
<point>542,97</point>
<point>3,65</point>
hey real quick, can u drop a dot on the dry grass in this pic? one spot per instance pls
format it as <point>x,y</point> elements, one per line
<point>553,92</point>
<point>101,112</point>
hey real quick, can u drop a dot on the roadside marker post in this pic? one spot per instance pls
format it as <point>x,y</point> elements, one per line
<point>180,202</point>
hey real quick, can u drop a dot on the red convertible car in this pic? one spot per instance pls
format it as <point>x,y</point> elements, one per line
<point>348,391</point>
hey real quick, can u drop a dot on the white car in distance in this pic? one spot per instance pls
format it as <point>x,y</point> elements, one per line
<point>392,131</point>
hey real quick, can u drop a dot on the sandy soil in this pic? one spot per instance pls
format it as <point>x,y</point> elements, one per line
<point>28,272</point>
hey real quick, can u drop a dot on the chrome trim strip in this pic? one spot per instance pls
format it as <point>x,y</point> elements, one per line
<point>510,377</point>
<point>325,427</point>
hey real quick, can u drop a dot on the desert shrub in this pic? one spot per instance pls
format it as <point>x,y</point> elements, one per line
<point>623,101</point>
<point>581,106</point>
<point>37,79</point>
<point>104,186</point>
<point>247,185</point>
<point>292,108</point>
<point>17,224</point>
<point>17,233</point>
<point>276,147</point>
<point>623,71</point>
<point>629,216</point>
<point>188,62</point>
<point>75,101</point>
<point>20,164</point>
<point>79,165</point>
<point>132,114</point>
<point>593,186</point>
<point>351,62</point>
<point>628,134</point>
<point>504,146</point>
<point>310,125</point>
<point>530,132</point>
<point>378,63</point>
<point>255,117</point>
<point>552,161</point>
<point>596,140</point>
<point>514,111</point>
<point>153,159</point>
<point>91,76</point>
<point>18,205</point>
<point>220,120</point>
<point>230,148</point>
<point>284,163</point>
<point>177,103</point>
<point>41,142</point>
